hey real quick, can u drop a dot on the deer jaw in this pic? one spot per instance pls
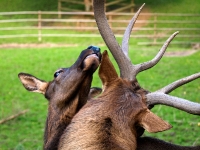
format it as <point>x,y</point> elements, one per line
<point>111,120</point>
<point>67,93</point>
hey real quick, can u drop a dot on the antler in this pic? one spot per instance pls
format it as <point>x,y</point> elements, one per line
<point>129,71</point>
<point>109,38</point>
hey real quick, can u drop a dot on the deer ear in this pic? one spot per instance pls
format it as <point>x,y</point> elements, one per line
<point>152,123</point>
<point>32,83</point>
<point>107,72</point>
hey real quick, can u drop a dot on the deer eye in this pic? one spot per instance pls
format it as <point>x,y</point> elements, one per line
<point>57,73</point>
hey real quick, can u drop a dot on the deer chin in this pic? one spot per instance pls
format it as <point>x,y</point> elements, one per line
<point>91,62</point>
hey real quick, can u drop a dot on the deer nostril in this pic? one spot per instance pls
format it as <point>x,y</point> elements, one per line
<point>94,48</point>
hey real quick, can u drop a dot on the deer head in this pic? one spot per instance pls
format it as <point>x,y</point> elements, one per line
<point>129,71</point>
<point>111,120</point>
<point>128,93</point>
<point>66,93</point>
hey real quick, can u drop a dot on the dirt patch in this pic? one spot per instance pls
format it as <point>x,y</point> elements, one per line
<point>180,53</point>
<point>49,45</point>
<point>143,17</point>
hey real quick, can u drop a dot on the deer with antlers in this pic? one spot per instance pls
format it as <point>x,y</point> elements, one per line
<point>118,117</point>
<point>111,120</point>
<point>66,93</point>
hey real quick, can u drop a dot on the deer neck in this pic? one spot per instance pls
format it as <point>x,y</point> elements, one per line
<point>61,112</point>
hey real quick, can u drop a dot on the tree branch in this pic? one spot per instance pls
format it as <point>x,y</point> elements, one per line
<point>13,116</point>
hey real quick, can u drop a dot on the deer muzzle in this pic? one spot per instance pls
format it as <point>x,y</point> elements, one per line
<point>92,61</point>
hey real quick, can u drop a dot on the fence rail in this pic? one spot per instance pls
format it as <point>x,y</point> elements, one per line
<point>152,26</point>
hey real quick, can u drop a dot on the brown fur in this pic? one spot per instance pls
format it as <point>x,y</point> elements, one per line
<point>67,93</point>
<point>111,120</point>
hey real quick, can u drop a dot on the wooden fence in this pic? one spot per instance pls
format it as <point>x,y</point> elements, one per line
<point>150,26</point>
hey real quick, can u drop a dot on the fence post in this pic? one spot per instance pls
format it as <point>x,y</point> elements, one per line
<point>59,9</point>
<point>132,8</point>
<point>155,28</point>
<point>39,26</point>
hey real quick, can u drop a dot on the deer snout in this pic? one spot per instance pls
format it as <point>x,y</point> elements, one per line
<point>92,61</point>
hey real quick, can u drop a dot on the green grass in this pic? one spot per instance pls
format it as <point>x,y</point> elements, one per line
<point>26,131</point>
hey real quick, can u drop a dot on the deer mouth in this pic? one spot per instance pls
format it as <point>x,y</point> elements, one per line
<point>92,56</point>
<point>91,62</point>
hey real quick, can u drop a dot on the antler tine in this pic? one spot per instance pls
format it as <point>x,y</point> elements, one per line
<point>123,62</point>
<point>155,60</point>
<point>161,97</point>
<point>127,33</point>
<point>167,89</point>
<point>176,102</point>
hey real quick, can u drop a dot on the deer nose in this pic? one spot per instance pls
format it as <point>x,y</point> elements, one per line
<point>94,48</point>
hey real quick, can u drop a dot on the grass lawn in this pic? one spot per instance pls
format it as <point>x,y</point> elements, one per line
<point>26,131</point>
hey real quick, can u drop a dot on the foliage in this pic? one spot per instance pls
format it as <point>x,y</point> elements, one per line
<point>171,6</point>
<point>166,6</point>
<point>26,5</point>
